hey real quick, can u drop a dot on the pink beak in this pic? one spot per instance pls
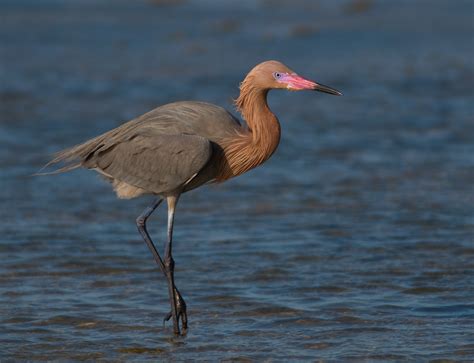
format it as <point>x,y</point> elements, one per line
<point>296,83</point>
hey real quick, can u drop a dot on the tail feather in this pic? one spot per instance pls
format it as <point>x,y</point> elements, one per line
<point>57,171</point>
<point>73,157</point>
<point>80,155</point>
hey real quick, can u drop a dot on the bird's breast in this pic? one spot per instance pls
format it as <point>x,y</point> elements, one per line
<point>243,153</point>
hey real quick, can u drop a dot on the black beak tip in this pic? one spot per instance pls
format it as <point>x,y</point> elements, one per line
<point>329,90</point>
<point>334,92</point>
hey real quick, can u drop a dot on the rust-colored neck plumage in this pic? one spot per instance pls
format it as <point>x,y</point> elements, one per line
<point>254,146</point>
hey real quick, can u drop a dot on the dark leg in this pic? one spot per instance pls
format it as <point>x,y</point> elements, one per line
<point>169,267</point>
<point>181,305</point>
<point>181,310</point>
<point>141,224</point>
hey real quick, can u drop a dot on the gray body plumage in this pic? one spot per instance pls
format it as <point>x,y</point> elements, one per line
<point>158,152</point>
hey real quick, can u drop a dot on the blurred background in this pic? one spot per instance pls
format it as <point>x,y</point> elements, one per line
<point>353,242</point>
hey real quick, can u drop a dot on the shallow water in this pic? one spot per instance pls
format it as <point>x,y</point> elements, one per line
<point>353,243</point>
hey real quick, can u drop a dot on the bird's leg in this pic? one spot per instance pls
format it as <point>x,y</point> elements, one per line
<point>141,224</point>
<point>181,305</point>
<point>181,310</point>
<point>169,267</point>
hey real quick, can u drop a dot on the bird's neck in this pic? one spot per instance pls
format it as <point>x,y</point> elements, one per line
<point>263,126</point>
<point>253,147</point>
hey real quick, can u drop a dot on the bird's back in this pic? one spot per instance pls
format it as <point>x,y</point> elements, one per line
<point>190,117</point>
<point>158,151</point>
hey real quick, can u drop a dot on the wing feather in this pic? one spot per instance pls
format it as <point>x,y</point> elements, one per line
<point>155,163</point>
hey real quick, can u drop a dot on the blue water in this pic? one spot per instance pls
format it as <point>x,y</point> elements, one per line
<point>354,242</point>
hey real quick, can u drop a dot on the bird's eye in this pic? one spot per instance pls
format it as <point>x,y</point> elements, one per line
<point>277,75</point>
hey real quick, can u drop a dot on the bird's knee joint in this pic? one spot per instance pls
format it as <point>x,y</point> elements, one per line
<point>169,263</point>
<point>141,221</point>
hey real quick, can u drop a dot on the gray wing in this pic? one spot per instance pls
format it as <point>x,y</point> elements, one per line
<point>204,120</point>
<point>156,163</point>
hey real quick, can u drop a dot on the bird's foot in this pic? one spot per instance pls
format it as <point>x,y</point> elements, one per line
<point>180,315</point>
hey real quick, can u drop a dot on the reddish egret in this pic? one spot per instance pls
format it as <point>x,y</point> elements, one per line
<point>180,146</point>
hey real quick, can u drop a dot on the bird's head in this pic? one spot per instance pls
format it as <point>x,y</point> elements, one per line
<point>275,75</point>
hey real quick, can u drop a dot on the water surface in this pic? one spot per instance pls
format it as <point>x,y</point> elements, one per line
<point>353,243</point>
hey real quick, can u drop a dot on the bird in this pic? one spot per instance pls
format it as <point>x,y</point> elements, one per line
<point>180,146</point>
